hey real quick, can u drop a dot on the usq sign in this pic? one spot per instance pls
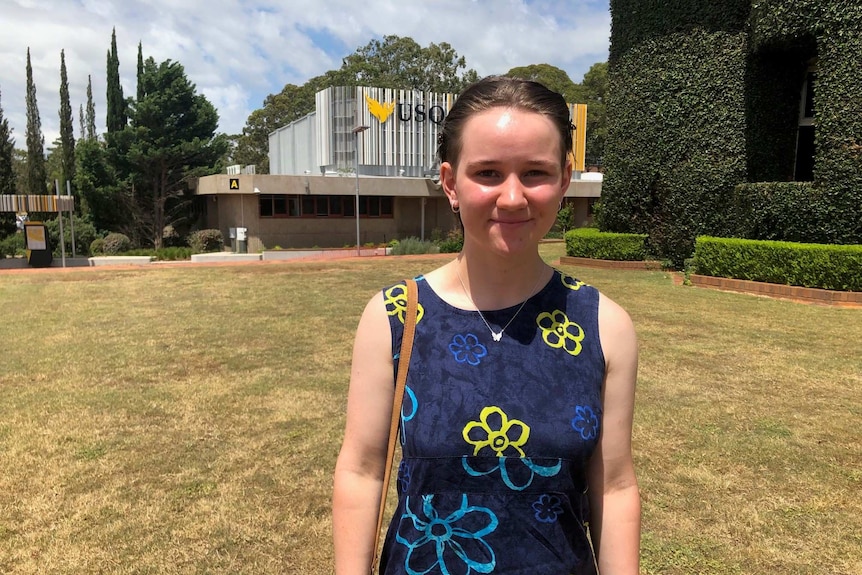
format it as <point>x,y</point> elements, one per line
<point>418,112</point>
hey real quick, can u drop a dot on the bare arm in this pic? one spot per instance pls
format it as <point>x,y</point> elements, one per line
<point>361,461</point>
<point>613,488</point>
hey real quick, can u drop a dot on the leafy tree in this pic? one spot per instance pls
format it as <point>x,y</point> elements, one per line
<point>36,176</point>
<point>67,136</point>
<point>7,153</point>
<point>171,138</point>
<point>104,198</point>
<point>551,77</point>
<point>19,165</point>
<point>7,172</point>
<point>397,62</point>
<point>116,118</point>
<point>54,166</point>
<point>595,86</point>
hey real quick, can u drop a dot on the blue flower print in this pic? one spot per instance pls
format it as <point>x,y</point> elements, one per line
<point>452,545</point>
<point>585,422</point>
<point>467,349</point>
<point>547,508</point>
<point>403,476</point>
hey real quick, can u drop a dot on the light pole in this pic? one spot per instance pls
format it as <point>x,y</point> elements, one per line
<point>356,131</point>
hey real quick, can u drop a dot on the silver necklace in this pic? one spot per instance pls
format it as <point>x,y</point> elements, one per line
<point>496,335</point>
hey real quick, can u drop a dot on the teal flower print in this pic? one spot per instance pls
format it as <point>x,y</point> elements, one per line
<point>467,349</point>
<point>585,422</point>
<point>452,545</point>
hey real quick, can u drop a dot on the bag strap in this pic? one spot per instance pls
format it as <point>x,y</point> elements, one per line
<point>400,384</point>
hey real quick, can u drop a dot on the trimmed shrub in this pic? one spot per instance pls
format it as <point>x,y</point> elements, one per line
<point>97,247</point>
<point>12,245</point>
<point>85,233</point>
<point>591,243</point>
<point>834,267</point>
<point>412,246</point>
<point>116,243</point>
<point>452,243</point>
<point>203,241</point>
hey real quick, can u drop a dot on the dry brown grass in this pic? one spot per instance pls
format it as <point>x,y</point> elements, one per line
<point>186,419</point>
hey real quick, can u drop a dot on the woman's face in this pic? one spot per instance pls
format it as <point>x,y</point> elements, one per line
<point>508,181</point>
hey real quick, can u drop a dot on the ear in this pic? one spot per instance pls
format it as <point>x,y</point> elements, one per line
<point>447,181</point>
<point>567,176</point>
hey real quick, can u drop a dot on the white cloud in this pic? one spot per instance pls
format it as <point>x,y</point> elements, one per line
<point>238,53</point>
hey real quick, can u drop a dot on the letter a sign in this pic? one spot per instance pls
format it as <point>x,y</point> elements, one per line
<point>234,183</point>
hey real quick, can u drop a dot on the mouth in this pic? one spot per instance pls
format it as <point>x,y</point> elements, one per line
<point>510,222</point>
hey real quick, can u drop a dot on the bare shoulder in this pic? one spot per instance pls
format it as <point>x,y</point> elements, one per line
<point>616,332</point>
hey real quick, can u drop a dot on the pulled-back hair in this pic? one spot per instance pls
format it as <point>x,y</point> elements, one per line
<point>503,92</point>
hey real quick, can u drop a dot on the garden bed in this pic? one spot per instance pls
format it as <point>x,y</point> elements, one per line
<point>796,293</point>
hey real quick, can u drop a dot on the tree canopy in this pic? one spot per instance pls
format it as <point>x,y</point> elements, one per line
<point>7,152</point>
<point>172,137</point>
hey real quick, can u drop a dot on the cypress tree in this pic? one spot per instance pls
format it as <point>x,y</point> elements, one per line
<point>67,135</point>
<point>37,177</point>
<point>140,72</point>
<point>7,151</point>
<point>91,111</point>
<point>116,113</point>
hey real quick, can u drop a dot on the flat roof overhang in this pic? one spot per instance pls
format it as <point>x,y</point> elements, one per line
<point>251,184</point>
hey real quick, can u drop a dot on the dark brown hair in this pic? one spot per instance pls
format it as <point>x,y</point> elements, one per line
<point>503,92</point>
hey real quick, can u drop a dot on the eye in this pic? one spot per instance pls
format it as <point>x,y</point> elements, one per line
<point>536,174</point>
<point>486,174</point>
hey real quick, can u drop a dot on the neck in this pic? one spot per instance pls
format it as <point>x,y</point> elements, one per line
<point>497,284</point>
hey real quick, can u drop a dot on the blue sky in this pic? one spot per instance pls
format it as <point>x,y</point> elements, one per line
<point>238,52</point>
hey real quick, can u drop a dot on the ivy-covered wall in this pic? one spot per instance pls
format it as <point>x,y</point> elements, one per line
<point>704,96</point>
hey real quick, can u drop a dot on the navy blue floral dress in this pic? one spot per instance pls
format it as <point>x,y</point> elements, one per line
<point>496,435</point>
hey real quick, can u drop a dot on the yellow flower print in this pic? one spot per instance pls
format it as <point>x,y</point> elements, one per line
<point>558,331</point>
<point>396,302</point>
<point>571,282</point>
<point>495,430</point>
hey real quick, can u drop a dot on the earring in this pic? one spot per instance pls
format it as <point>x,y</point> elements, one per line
<point>455,208</point>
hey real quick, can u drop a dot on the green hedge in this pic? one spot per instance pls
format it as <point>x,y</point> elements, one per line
<point>591,243</point>
<point>834,267</point>
<point>704,96</point>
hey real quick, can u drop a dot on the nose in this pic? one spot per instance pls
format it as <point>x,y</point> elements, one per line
<point>512,196</point>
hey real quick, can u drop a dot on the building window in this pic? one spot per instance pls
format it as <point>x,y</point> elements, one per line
<point>306,206</point>
<point>805,148</point>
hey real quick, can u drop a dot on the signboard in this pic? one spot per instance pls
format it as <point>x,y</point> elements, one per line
<point>234,184</point>
<point>36,237</point>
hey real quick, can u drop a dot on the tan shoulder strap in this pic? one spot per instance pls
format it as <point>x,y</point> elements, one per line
<point>400,383</point>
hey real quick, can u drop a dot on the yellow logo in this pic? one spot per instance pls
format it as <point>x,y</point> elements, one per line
<point>378,110</point>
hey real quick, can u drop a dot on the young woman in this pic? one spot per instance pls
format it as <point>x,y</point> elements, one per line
<point>517,417</point>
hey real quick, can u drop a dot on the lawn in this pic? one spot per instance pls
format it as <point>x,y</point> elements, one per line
<point>186,419</point>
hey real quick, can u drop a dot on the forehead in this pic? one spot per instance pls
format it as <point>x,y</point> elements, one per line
<point>506,129</point>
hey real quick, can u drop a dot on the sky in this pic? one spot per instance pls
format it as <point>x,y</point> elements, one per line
<point>238,52</point>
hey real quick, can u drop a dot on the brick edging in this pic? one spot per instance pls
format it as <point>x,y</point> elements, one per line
<point>610,264</point>
<point>798,293</point>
